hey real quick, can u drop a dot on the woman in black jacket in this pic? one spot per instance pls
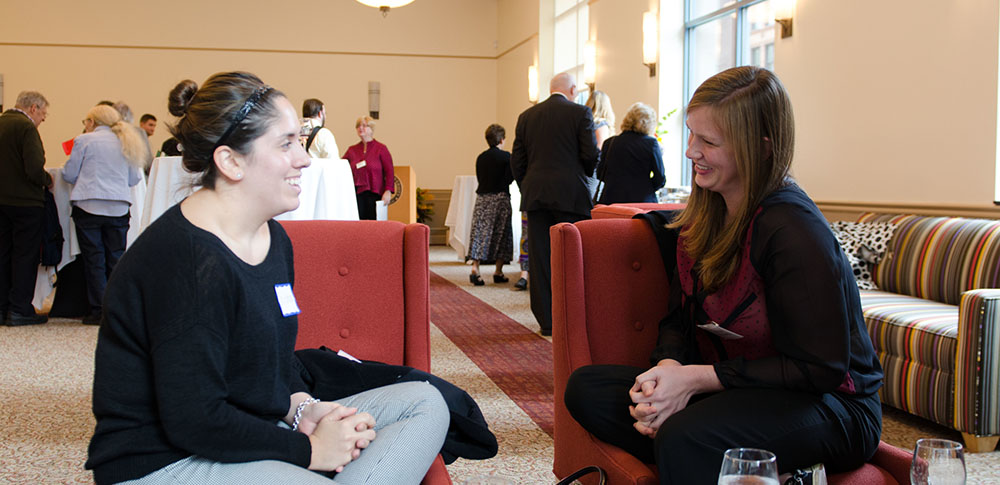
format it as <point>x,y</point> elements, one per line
<point>631,166</point>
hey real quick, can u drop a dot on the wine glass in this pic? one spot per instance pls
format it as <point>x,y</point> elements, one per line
<point>748,466</point>
<point>938,462</point>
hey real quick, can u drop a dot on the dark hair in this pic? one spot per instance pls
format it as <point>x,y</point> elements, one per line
<point>146,117</point>
<point>495,134</point>
<point>311,108</point>
<point>209,112</point>
<point>106,103</point>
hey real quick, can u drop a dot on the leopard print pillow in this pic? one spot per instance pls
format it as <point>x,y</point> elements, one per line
<point>864,244</point>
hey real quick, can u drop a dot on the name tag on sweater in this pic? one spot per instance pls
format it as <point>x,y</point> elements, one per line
<point>286,300</point>
<point>360,164</point>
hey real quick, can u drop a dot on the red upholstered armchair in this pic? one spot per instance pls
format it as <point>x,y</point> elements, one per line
<point>608,296</point>
<point>363,287</point>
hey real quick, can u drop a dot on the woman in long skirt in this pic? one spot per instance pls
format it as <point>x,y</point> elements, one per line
<point>492,240</point>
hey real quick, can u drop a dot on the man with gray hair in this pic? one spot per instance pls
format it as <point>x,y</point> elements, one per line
<point>22,199</point>
<point>553,156</point>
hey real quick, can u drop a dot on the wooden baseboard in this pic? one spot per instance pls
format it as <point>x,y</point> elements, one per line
<point>849,211</point>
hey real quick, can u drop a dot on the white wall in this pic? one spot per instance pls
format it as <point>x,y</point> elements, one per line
<point>435,61</point>
<point>895,101</point>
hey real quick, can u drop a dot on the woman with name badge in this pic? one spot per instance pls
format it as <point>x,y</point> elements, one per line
<point>195,378</point>
<point>372,166</point>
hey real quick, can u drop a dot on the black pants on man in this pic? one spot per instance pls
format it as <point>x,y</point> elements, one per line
<point>102,243</point>
<point>540,263</point>
<point>800,428</point>
<point>20,253</point>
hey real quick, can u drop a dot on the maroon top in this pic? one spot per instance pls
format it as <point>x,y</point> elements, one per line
<point>375,173</point>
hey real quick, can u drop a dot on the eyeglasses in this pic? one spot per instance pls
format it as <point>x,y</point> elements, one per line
<point>85,121</point>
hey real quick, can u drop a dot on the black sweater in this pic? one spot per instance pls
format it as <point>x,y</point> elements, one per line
<point>194,356</point>
<point>493,172</point>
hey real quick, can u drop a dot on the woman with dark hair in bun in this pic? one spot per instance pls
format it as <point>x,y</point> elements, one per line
<point>195,378</point>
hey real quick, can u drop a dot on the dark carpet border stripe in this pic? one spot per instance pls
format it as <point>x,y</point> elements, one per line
<point>516,359</point>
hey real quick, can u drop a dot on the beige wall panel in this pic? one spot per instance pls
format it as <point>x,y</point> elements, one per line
<point>433,110</point>
<point>617,27</point>
<point>517,20</point>
<point>447,27</point>
<point>895,101</point>
<point>512,87</point>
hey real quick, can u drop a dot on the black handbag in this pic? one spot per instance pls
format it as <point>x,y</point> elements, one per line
<point>587,470</point>
<point>602,170</point>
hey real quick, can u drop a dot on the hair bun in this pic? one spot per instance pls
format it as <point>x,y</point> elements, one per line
<point>180,97</point>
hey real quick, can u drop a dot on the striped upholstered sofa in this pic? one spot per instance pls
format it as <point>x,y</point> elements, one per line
<point>935,322</point>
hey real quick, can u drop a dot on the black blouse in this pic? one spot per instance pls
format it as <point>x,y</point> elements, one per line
<point>812,302</point>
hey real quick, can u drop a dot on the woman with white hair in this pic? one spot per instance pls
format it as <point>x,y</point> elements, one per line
<point>631,164</point>
<point>105,161</point>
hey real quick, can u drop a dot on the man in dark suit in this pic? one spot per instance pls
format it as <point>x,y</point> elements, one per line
<point>22,198</point>
<point>553,156</point>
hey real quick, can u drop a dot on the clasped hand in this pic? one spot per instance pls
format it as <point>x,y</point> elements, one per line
<point>337,434</point>
<point>658,393</point>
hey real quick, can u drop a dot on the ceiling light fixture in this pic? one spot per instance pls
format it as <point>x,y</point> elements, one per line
<point>384,5</point>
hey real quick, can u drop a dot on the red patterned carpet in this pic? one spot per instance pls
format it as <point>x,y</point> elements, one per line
<point>516,359</point>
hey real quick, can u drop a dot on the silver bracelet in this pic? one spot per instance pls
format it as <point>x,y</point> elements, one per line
<point>298,412</point>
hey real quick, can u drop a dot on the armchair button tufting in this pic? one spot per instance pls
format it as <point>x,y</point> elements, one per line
<point>636,265</point>
<point>343,271</point>
<point>344,333</point>
<point>638,325</point>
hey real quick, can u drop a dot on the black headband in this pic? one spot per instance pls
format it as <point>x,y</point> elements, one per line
<point>242,114</point>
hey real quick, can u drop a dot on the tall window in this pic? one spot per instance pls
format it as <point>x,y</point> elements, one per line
<point>721,34</point>
<point>570,34</point>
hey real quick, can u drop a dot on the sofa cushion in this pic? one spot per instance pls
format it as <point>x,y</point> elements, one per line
<point>864,244</point>
<point>916,341</point>
<point>939,258</point>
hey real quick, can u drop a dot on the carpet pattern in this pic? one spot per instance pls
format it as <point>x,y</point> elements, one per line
<point>516,359</point>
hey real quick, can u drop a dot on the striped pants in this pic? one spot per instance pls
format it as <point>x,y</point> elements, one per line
<point>411,421</point>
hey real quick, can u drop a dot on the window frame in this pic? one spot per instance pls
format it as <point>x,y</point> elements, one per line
<point>740,8</point>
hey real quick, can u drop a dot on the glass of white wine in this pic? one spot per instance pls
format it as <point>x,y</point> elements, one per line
<point>748,466</point>
<point>938,462</point>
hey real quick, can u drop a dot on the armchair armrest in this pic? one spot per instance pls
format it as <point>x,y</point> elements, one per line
<point>977,363</point>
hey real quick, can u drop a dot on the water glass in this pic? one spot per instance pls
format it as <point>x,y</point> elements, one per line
<point>748,466</point>
<point>938,462</point>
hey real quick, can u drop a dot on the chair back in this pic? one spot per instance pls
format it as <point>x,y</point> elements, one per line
<point>362,287</point>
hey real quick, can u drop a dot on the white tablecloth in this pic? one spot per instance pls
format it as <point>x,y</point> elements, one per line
<point>327,190</point>
<point>71,247</point>
<point>459,218</point>
<point>327,193</point>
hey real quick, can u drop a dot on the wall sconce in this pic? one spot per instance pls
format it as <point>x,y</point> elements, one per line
<point>650,39</point>
<point>533,83</point>
<point>590,64</point>
<point>784,11</point>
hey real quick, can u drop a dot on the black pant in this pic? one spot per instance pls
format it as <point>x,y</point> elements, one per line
<point>102,243</point>
<point>20,253</point>
<point>800,428</point>
<point>539,262</point>
<point>366,205</point>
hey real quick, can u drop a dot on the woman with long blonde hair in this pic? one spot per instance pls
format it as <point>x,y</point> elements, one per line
<point>764,344</point>
<point>106,160</point>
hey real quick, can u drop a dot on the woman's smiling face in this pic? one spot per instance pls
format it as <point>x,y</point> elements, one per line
<point>712,157</point>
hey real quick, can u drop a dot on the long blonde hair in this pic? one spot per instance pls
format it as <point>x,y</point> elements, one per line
<point>133,147</point>
<point>754,113</point>
<point>600,103</point>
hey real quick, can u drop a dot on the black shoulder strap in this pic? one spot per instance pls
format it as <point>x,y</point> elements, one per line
<point>602,169</point>
<point>312,136</point>
<point>666,239</point>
